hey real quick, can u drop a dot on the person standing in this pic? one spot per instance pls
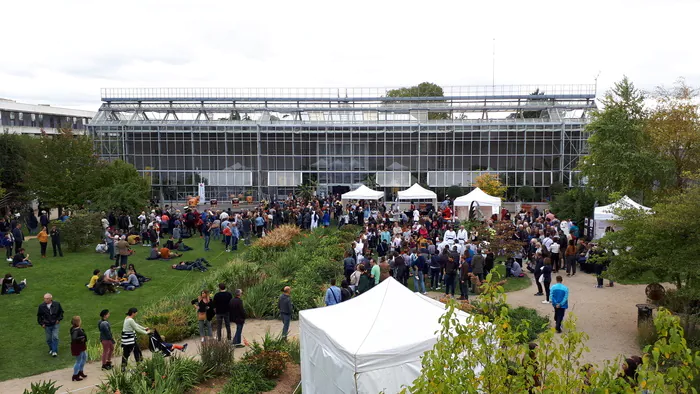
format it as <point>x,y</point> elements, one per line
<point>478,268</point>
<point>43,238</point>
<point>333,295</point>
<point>205,312</point>
<point>546,278</point>
<point>222,301</point>
<point>285,307</point>
<point>419,266</point>
<point>450,272</point>
<point>123,249</point>
<point>238,316</point>
<point>18,237</point>
<point>78,348</point>
<point>49,317</point>
<point>56,241</point>
<point>107,339</point>
<point>560,299</point>
<point>463,278</point>
<point>129,343</point>
<point>206,233</point>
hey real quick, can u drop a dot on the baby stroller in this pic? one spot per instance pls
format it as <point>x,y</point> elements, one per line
<point>155,344</point>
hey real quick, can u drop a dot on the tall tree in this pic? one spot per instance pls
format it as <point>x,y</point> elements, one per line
<point>119,187</point>
<point>491,185</point>
<point>61,168</point>
<point>621,156</point>
<point>14,153</point>
<point>577,203</point>
<point>425,89</point>
<point>674,129</point>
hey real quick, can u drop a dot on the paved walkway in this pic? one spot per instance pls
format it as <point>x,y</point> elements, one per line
<point>253,330</point>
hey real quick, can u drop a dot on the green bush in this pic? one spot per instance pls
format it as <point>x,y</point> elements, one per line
<point>247,379</point>
<point>44,387</point>
<point>529,320</point>
<point>261,299</point>
<point>81,230</point>
<point>238,274</point>
<point>217,357</point>
<point>172,375</point>
<point>173,317</point>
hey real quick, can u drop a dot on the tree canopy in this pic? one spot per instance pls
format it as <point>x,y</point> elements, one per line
<point>119,187</point>
<point>665,243</point>
<point>491,185</point>
<point>13,166</point>
<point>424,89</point>
<point>621,156</point>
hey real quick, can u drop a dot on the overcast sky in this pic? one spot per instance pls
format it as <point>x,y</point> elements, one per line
<point>63,52</point>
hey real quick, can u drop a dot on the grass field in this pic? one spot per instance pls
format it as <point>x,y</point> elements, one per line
<point>23,350</point>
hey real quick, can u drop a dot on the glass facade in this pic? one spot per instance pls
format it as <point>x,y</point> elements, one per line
<point>268,145</point>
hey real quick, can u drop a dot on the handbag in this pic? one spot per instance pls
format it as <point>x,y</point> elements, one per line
<point>201,316</point>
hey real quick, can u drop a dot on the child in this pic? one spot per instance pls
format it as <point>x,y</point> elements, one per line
<point>107,340</point>
<point>171,346</point>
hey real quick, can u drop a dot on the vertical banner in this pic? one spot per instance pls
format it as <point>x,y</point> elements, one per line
<point>201,193</point>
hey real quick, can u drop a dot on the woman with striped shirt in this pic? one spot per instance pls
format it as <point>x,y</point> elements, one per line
<point>129,343</point>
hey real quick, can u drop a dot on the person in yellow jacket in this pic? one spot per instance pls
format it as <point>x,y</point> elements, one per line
<point>43,238</point>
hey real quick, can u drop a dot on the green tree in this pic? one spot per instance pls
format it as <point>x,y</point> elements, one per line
<point>82,229</point>
<point>454,191</point>
<point>61,168</point>
<point>674,130</point>
<point>13,166</point>
<point>119,187</point>
<point>526,193</point>
<point>621,156</point>
<point>425,89</point>
<point>307,190</point>
<point>665,243</point>
<point>490,344</point>
<point>577,203</point>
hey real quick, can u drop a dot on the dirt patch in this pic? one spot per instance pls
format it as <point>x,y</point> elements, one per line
<point>212,386</point>
<point>288,381</point>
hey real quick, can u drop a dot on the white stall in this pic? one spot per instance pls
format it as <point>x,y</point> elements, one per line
<point>488,204</point>
<point>605,215</point>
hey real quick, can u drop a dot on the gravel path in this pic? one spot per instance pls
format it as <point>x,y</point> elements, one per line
<point>607,315</point>
<point>253,330</point>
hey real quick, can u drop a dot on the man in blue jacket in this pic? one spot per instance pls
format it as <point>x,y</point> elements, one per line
<point>559,296</point>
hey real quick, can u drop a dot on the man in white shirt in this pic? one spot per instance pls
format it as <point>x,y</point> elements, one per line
<point>223,216</point>
<point>450,235</point>
<point>359,246</point>
<point>547,242</point>
<point>416,215</point>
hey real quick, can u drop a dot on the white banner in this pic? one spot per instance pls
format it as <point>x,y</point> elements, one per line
<point>201,193</point>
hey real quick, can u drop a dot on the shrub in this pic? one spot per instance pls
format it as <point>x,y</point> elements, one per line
<point>173,375</point>
<point>261,299</point>
<point>247,379</point>
<point>530,322</point>
<point>280,237</point>
<point>94,350</point>
<point>272,363</point>
<point>81,230</point>
<point>44,387</point>
<point>217,357</point>
<point>238,274</point>
<point>294,350</point>
<point>173,317</point>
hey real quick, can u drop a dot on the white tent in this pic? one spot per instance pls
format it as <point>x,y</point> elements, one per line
<point>603,216</point>
<point>417,192</point>
<point>369,343</point>
<point>482,198</point>
<point>362,193</point>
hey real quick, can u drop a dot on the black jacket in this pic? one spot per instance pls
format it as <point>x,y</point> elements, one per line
<point>46,317</point>
<point>236,310</point>
<point>221,302</point>
<point>55,236</point>
<point>285,304</point>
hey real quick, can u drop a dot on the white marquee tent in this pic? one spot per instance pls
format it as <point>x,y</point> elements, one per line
<point>417,192</point>
<point>493,204</point>
<point>603,216</point>
<point>363,193</point>
<point>355,346</point>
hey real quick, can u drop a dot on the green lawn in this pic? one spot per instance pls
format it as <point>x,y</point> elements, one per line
<point>23,350</point>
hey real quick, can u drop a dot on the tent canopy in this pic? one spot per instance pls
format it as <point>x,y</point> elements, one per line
<point>417,192</point>
<point>603,216</point>
<point>479,196</point>
<point>362,193</point>
<point>607,212</point>
<point>353,347</point>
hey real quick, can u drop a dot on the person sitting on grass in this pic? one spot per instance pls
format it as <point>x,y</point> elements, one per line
<point>142,279</point>
<point>93,280</point>
<point>10,286</point>
<point>155,253</point>
<point>132,282</point>
<point>21,260</point>
<point>167,254</point>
